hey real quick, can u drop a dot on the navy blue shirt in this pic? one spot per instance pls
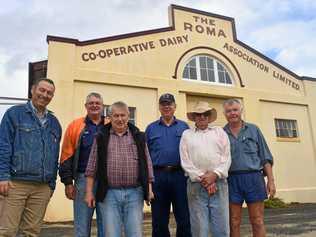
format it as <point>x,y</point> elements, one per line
<point>249,150</point>
<point>163,142</point>
<point>86,141</point>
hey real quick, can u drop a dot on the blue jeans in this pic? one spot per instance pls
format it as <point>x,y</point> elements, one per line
<point>170,189</point>
<point>82,213</point>
<point>123,207</point>
<point>209,213</point>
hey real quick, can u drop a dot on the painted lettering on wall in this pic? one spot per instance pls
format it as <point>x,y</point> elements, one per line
<point>284,79</point>
<point>260,65</point>
<point>204,25</point>
<point>134,48</point>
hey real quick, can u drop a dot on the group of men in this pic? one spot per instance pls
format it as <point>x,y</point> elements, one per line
<point>204,173</point>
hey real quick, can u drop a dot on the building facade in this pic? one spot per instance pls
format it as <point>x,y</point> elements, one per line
<point>198,57</point>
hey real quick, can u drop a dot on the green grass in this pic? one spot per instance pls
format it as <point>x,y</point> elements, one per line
<point>275,203</point>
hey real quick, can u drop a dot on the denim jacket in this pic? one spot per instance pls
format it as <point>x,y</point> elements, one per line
<point>29,150</point>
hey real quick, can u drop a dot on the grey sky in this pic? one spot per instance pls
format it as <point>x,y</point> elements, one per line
<point>282,30</point>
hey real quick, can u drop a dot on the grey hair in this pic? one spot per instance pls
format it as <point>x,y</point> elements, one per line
<point>94,94</point>
<point>232,101</point>
<point>118,104</point>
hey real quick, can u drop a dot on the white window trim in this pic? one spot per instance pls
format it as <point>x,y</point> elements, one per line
<point>198,72</point>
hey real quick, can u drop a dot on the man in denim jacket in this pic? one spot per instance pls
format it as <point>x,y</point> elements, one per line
<point>29,149</point>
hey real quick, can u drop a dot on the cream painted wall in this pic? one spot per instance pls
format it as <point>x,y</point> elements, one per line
<point>295,164</point>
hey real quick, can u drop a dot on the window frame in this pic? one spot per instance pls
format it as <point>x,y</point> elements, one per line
<point>290,126</point>
<point>215,69</point>
<point>132,111</point>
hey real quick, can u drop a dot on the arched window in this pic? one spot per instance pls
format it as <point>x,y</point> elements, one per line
<point>206,69</point>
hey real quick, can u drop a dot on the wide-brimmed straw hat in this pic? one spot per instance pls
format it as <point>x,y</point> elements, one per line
<point>200,108</point>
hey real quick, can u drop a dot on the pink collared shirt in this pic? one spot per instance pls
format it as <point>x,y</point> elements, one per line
<point>205,150</point>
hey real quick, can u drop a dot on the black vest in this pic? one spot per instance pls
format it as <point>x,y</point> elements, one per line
<point>101,175</point>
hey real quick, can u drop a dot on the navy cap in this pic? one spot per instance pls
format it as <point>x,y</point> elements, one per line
<point>166,98</point>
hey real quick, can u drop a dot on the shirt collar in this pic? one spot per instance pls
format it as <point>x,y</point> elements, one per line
<point>36,110</point>
<point>210,127</point>
<point>175,121</point>
<point>89,121</point>
<point>243,127</point>
<point>114,133</point>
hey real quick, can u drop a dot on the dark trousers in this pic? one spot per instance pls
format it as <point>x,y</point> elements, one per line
<point>170,189</point>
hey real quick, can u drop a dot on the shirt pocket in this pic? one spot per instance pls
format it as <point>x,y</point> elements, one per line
<point>250,145</point>
<point>28,136</point>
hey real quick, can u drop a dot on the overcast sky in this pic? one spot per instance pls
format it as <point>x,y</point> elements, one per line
<point>282,30</point>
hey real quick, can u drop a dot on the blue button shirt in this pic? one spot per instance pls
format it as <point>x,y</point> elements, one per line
<point>87,138</point>
<point>163,142</point>
<point>42,119</point>
<point>249,150</point>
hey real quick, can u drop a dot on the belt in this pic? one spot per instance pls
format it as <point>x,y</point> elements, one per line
<point>168,168</point>
<point>125,186</point>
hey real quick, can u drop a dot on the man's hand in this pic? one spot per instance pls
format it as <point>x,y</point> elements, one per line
<point>211,189</point>
<point>89,199</point>
<point>271,188</point>
<point>208,178</point>
<point>70,191</point>
<point>151,195</point>
<point>4,187</point>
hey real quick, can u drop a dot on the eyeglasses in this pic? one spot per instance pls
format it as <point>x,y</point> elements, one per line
<point>205,114</point>
<point>165,104</point>
<point>94,103</point>
<point>227,111</point>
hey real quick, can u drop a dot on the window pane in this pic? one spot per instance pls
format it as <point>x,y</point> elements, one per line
<point>286,128</point>
<point>210,64</point>
<point>192,63</point>
<point>131,112</point>
<point>295,133</point>
<point>211,75</point>
<point>206,69</point>
<point>106,110</point>
<point>282,124</point>
<point>193,74</point>
<point>132,118</point>
<point>221,77</point>
<point>228,80</point>
<point>202,62</point>
<point>220,67</point>
<point>293,125</point>
<point>203,74</point>
<point>186,72</point>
